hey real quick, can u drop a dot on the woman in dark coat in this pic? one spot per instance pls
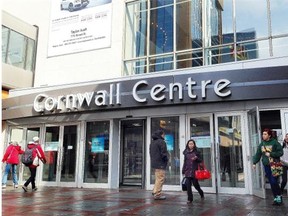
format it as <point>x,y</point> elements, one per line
<point>191,160</point>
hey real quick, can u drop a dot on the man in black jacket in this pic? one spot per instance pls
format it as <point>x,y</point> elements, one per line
<point>159,160</point>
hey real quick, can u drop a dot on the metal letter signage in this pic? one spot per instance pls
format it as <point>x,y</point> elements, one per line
<point>109,95</point>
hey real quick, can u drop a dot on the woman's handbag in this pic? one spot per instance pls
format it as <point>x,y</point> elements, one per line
<point>276,167</point>
<point>202,173</point>
<point>183,183</point>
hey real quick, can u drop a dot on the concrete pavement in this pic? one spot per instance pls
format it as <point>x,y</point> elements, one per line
<point>131,201</point>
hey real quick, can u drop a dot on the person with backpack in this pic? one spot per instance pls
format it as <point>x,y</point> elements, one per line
<point>37,153</point>
<point>11,157</point>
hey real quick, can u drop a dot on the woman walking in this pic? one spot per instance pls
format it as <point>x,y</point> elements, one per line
<point>11,157</point>
<point>191,160</point>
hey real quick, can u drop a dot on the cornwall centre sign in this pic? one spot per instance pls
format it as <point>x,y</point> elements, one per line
<point>142,92</point>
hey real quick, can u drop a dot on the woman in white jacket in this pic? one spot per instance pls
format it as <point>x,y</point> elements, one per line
<point>284,160</point>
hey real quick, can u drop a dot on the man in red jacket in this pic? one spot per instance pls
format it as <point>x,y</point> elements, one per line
<point>11,157</point>
<point>37,152</point>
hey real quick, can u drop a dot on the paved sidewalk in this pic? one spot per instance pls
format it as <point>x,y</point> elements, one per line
<point>126,201</point>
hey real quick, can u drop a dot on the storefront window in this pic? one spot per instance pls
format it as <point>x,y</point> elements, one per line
<point>170,125</point>
<point>97,152</point>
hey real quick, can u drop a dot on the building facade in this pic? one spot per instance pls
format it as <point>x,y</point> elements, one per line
<point>196,69</point>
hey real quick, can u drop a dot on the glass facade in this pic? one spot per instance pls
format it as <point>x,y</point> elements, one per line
<point>170,125</point>
<point>17,49</point>
<point>97,152</point>
<point>167,35</point>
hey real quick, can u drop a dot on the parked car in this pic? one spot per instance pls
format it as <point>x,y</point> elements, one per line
<point>73,5</point>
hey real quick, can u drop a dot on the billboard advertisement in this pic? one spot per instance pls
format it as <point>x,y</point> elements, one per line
<point>79,25</point>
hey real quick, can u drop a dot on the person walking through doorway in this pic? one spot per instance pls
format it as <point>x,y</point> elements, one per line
<point>192,159</point>
<point>269,147</point>
<point>284,160</point>
<point>11,157</point>
<point>159,160</point>
<point>38,151</point>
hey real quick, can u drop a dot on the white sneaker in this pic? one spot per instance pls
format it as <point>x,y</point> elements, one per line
<point>3,186</point>
<point>16,186</point>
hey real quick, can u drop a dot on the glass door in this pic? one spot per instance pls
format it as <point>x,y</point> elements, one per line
<point>230,153</point>
<point>132,151</point>
<point>258,178</point>
<point>60,150</point>
<point>201,130</point>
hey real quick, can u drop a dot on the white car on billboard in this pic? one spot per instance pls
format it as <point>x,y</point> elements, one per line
<point>73,5</point>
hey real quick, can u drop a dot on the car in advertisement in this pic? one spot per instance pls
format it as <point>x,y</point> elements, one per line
<point>72,5</point>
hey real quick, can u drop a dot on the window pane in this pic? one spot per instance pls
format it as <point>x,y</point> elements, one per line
<point>170,125</point>
<point>280,47</point>
<point>220,16</point>
<point>30,55</point>
<point>136,29</point>
<point>189,25</point>
<point>279,16</point>
<point>250,24</point>
<point>97,152</point>
<point>161,30</point>
<point>16,49</point>
<point>190,59</point>
<point>135,67</point>
<point>161,63</point>
<point>5,34</point>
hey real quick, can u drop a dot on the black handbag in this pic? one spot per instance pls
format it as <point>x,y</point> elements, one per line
<point>183,183</point>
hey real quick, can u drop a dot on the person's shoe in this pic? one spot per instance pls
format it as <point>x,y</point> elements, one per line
<point>189,201</point>
<point>34,189</point>
<point>153,194</point>
<point>160,198</point>
<point>277,200</point>
<point>16,186</point>
<point>24,188</point>
<point>4,186</point>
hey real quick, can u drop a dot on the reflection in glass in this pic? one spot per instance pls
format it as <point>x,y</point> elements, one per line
<point>5,35</point>
<point>17,49</point>
<point>170,125</point>
<point>97,152</point>
<point>51,148</point>
<point>249,24</point>
<point>29,64</point>
<point>200,133</point>
<point>230,152</point>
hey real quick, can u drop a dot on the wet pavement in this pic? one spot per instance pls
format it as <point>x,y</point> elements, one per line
<point>131,201</point>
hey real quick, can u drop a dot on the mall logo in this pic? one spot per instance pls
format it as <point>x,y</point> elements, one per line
<point>142,93</point>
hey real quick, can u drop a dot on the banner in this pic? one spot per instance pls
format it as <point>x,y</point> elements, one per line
<point>79,25</point>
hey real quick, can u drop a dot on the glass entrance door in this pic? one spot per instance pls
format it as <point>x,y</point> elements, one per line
<point>230,153</point>
<point>258,179</point>
<point>60,150</point>
<point>132,152</point>
<point>201,130</point>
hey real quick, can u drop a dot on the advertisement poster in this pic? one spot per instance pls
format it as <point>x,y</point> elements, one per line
<point>98,144</point>
<point>51,146</point>
<point>202,141</point>
<point>79,25</point>
<point>169,139</point>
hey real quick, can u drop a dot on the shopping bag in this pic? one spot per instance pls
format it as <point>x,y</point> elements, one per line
<point>202,173</point>
<point>184,185</point>
<point>276,167</point>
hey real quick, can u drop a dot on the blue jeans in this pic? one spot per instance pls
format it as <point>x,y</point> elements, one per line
<point>275,187</point>
<point>14,174</point>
